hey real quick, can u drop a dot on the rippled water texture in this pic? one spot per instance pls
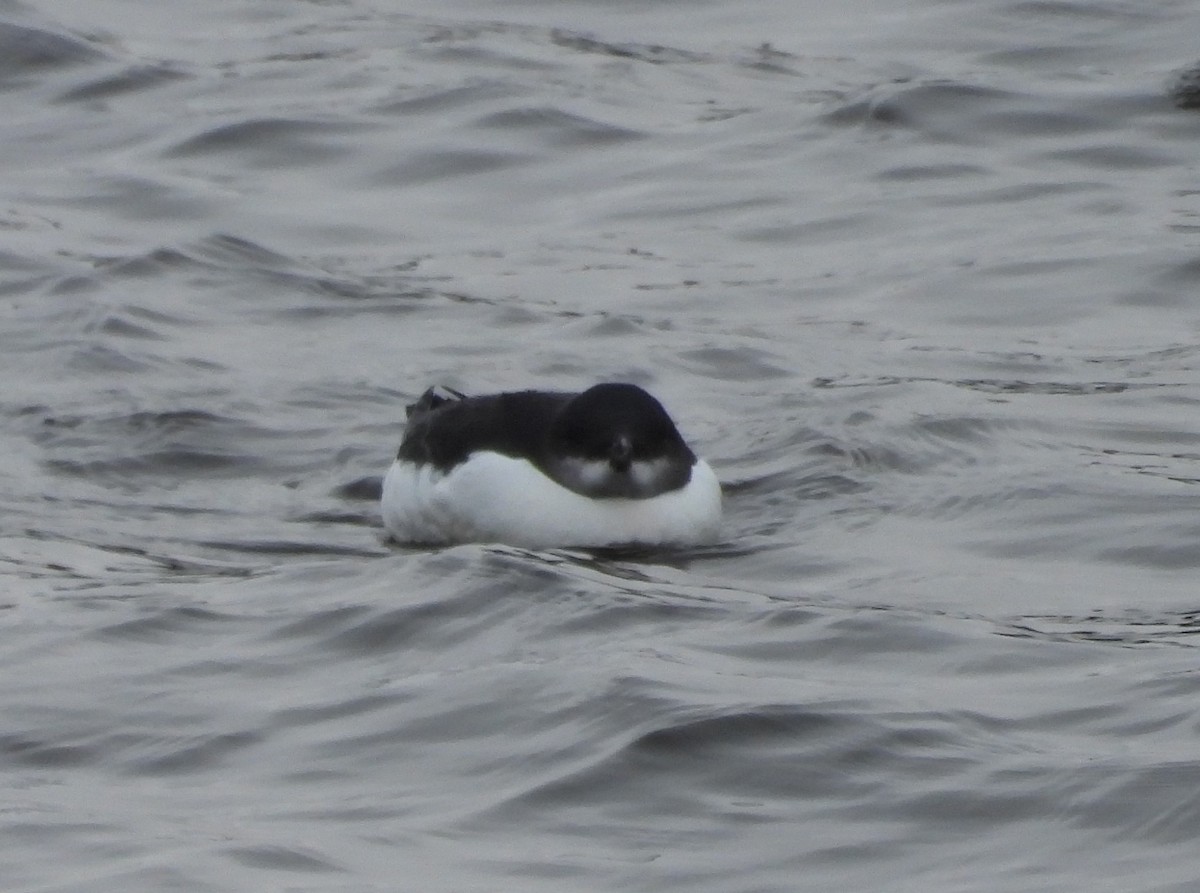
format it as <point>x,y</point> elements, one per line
<point>919,279</point>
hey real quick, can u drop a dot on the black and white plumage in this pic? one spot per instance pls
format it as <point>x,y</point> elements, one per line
<point>603,467</point>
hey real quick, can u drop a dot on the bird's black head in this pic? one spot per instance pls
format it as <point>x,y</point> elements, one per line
<point>615,440</point>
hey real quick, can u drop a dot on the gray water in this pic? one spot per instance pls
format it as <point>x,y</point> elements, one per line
<point>920,279</point>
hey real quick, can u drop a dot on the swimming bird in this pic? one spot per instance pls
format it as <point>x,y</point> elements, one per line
<point>604,467</point>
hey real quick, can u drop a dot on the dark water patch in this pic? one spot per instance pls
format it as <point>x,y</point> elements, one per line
<point>625,562</point>
<point>339,710</point>
<point>150,877</point>
<point>429,625</point>
<point>288,548</point>
<point>273,143</point>
<point>487,46</point>
<point>284,858</point>
<point>151,264</point>
<point>652,53</point>
<point>240,259</point>
<point>1115,158</point>
<point>1092,516</point>
<point>324,815</point>
<point>1184,684</point>
<point>733,364</point>
<point>440,100</point>
<point>133,751</point>
<point>321,622</point>
<point>1047,11</point>
<point>1170,814</point>
<point>1047,57</point>
<point>948,170</point>
<point>1186,211</point>
<point>716,113</point>
<point>145,323</point>
<point>1172,358</point>
<point>1131,628</point>
<point>207,668</point>
<point>23,750</point>
<point>555,127</point>
<point>449,163</point>
<point>880,633</point>
<point>614,326</point>
<point>614,594</point>
<point>649,575</point>
<point>706,738</point>
<point>91,359</point>
<point>331,518</point>
<point>229,250</point>
<point>129,80</point>
<point>354,300</point>
<point>1075,389</point>
<point>170,626</point>
<point>632,612</point>
<point>1069,37</point>
<point>819,485</point>
<point>967,811</point>
<point>157,753</point>
<point>1184,88</point>
<point>978,432</point>
<point>785,466</point>
<point>1076,128</point>
<point>137,198</point>
<point>122,327</point>
<point>167,440</point>
<point>1038,122</point>
<point>926,107</point>
<point>42,555</point>
<point>1002,386</point>
<point>27,51</point>
<point>830,228</point>
<point>244,267</point>
<point>1018,193</point>
<point>918,445</point>
<point>1182,273</point>
<point>39,282</point>
<point>1176,556</point>
<point>265,282</point>
<point>868,457</point>
<point>185,453</point>
<point>769,59</point>
<point>766,755</point>
<point>18,221</point>
<point>692,204</point>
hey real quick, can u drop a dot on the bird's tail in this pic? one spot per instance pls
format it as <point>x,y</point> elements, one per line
<point>433,398</point>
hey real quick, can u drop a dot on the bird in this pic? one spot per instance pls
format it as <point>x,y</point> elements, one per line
<point>604,467</point>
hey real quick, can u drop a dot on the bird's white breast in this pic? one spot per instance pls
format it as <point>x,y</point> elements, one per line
<point>496,498</point>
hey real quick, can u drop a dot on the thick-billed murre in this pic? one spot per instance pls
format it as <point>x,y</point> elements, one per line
<point>604,467</point>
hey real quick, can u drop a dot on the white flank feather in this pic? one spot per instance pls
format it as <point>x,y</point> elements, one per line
<point>496,498</point>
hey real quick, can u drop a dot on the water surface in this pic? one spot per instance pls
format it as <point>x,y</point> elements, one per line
<point>920,282</point>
